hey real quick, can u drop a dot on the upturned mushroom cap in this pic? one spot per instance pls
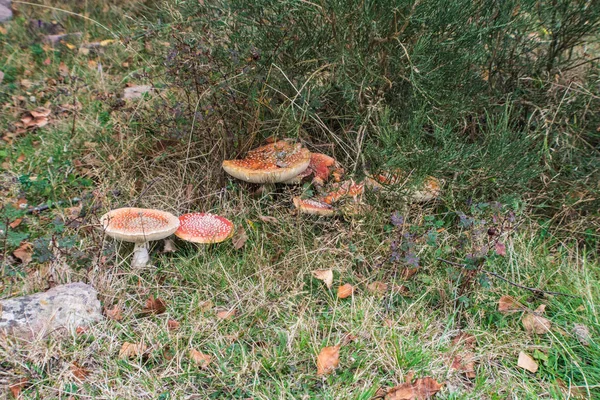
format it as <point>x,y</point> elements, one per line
<point>319,166</point>
<point>315,207</point>
<point>139,225</point>
<point>204,228</point>
<point>347,188</point>
<point>275,162</point>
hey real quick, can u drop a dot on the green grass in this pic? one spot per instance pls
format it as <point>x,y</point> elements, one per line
<point>145,153</point>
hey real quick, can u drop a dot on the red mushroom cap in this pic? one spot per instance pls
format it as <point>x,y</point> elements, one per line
<point>204,228</point>
<point>315,207</point>
<point>319,166</point>
<point>275,162</point>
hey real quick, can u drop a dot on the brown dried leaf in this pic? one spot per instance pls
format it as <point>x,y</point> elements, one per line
<point>345,291</point>
<point>21,158</point>
<point>24,253</point>
<point>582,333</point>
<point>79,372</point>
<point>407,273</point>
<point>239,238</point>
<point>466,339</point>
<point>226,314</point>
<point>131,350</point>
<point>464,363</point>
<point>16,223</point>
<point>328,360</point>
<point>377,287</point>
<point>172,325</point>
<point>420,389</point>
<point>114,313</point>
<point>136,91</point>
<point>536,324</point>
<point>325,275</point>
<point>270,220</point>
<point>201,359</point>
<point>508,304</point>
<point>40,112</point>
<point>17,387</point>
<point>154,306</point>
<point>206,306</point>
<point>527,362</point>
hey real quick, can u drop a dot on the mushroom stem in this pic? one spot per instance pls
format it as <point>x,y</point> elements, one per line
<point>140,255</point>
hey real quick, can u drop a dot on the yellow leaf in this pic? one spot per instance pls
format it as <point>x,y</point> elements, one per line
<point>106,42</point>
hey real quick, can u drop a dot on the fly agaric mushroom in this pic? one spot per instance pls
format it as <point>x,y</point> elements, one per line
<point>319,167</point>
<point>139,226</point>
<point>271,163</point>
<point>204,228</point>
<point>345,189</point>
<point>310,206</point>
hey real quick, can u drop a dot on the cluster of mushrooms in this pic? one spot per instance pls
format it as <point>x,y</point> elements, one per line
<point>287,162</point>
<point>282,161</point>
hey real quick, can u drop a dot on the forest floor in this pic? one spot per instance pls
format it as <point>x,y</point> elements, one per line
<point>247,318</point>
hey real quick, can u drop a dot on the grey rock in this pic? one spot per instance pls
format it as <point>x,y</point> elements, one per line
<point>5,10</point>
<point>66,306</point>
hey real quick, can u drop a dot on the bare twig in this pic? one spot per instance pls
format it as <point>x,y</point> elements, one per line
<point>535,290</point>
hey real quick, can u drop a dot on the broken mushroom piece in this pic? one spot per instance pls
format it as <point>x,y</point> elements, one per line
<point>274,162</point>
<point>314,207</point>
<point>139,226</point>
<point>319,167</point>
<point>204,228</point>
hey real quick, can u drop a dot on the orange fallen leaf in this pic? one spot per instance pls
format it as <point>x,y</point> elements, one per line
<point>345,291</point>
<point>201,359</point>
<point>131,350</point>
<point>16,223</point>
<point>525,361</point>
<point>377,287</point>
<point>154,306</point>
<point>172,325</point>
<point>419,389</point>
<point>114,313</point>
<point>17,387</point>
<point>325,275</point>
<point>24,253</point>
<point>80,330</point>
<point>21,158</point>
<point>226,314</point>
<point>508,304</point>
<point>79,372</point>
<point>328,360</point>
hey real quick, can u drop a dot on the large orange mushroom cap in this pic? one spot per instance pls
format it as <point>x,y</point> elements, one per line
<point>274,162</point>
<point>204,228</point>
<point>309,206</point>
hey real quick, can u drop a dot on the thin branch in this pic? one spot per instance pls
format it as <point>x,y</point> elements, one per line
<point>535,290</point>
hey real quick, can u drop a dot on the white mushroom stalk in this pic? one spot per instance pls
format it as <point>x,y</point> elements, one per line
<point>139,226</point>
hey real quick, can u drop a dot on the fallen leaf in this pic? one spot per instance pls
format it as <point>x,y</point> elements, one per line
<point>420,389</point>
<point>63,70</point>
<point>131,350</point>
<point>325,275</point>
<point>40,112</point>
<point>345,291</point>
<point>328,360</point>
<point>154,306</point>
<point>136,91</point>
<point>21,158</point>
<point>465,363</point>
<point>172,325</point>
<point>265,218</point>
<point>500,249</point>
<point>79,372</point>
<point>465,339</point>
<point>582,333</point>
<point>16,388</point>
<point>24,253</point>
<point>378,287</point>
<point>201,359</point>
<point>16,223</point>
<point>114,313</point>
<point>206,306</point>
<point>80,330</point>
<point>226,314</point>
<point>527,362</point>
<point>239,238</point>
<point>407,273</point>
<point>401,290</point>
<point>536,324</point>
<point>508,304</point>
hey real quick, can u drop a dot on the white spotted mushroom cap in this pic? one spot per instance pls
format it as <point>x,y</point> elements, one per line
<point>275,162</point>
<point>139,225</point>
<point>204,228</point>
<point>310,206</point>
